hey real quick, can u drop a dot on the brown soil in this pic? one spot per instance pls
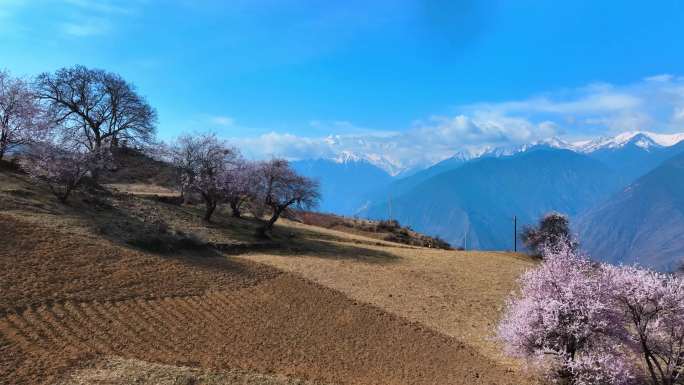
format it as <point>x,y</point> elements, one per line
<point>123,371</point>
<point>40,264</point>
<point>286,325</point>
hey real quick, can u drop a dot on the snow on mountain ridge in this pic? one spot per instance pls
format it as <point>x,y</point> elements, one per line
<point>643,139</point>
<point>346,157</point>
<point>397,167</point>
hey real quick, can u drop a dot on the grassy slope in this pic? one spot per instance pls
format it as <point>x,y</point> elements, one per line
<point>76,293</point>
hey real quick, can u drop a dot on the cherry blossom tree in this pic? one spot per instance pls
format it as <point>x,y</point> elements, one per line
<point>62,170</point>
<point>21,119</point>
<point>238,185</point>
<point>280,187</point>
<point>588,323</point>
<point>561,322</point>
<point>653,308</point>
<point>203,161</point>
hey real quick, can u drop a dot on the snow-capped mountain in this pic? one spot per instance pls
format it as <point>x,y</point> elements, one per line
<point>385,162</point>
<point>642,139</point>
<point>346,157</point>
<point>552,142</point>
<point>396,167</point>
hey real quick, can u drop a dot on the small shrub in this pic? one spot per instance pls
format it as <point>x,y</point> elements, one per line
<point>388,225</point>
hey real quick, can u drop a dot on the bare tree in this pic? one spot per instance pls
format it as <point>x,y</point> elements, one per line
<point>21,118</point>
<point>280,187</point>
<point>203,161</point>
<point>96,108</point>
<point>61,169</point>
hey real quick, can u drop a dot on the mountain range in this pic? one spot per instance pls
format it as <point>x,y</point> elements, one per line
<point>470,199</point>
<point>345,183</point>
<point>643,223</point>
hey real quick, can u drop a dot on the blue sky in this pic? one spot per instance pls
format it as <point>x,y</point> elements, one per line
<point>406,81</point>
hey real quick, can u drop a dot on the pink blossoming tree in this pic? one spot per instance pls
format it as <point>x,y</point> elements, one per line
<point>22,121</point>
<point>238,185</point>
<point>62,170</point>
<point>560,321</point>
<point>279,187</point>
<point>203,161</point>
<point>653,307</point>
<point>584,323</point>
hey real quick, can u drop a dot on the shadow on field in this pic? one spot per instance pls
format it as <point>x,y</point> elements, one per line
<point>143,224</point>
<point>147,232</point>
<point>328,247</point>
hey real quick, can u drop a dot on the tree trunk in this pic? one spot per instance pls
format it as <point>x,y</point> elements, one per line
<point>3,144</point>
<point>235,207</point>
<point>236,210</point>
<point>62,196</point>
<point>97,164</point>
<point>265,230</point>
<point>210,207</point>
<point>272,221</point>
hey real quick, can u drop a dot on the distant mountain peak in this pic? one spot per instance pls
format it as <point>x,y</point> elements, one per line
<point>642,139</point>
<point>346,157</point>
<point>553,142</point>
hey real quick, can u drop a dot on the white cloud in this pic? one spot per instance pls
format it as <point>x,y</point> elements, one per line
<point>285,145</point>
<point>86,28</point>
<point>225,121</point>
<point>70,18</point>
<point>660,78</point>
<point>654,104</point>
<point>678,115</point>
<point>99,6</point>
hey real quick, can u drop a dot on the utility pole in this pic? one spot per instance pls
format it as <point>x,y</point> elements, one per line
<point>465,238</point>
<point>515,233</point>
<point>389,205</point>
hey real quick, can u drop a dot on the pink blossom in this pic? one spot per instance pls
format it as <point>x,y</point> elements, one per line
<point>21,119</point>
<point>561,321</point>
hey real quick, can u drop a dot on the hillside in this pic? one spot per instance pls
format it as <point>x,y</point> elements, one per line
<point>121,288</point>
<point>386,230</point>
<point>479,199</point>
<point>132,166</point>
<point>643,223</point>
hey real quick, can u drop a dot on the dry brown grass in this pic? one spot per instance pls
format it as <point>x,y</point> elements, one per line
<point>385,230</point>
<point>143,189</point>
